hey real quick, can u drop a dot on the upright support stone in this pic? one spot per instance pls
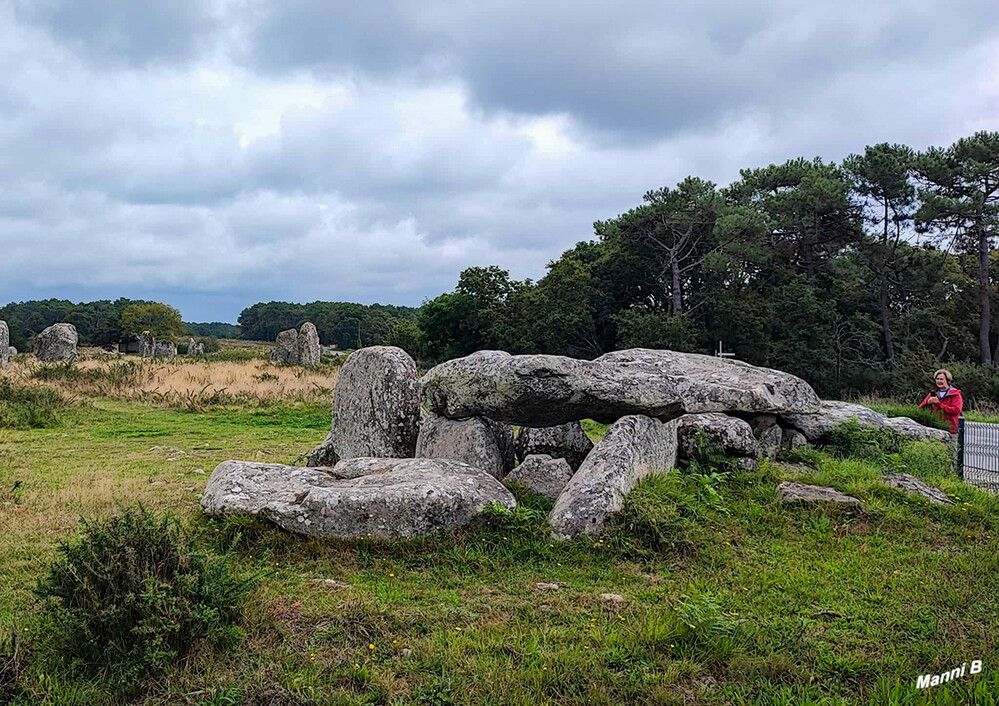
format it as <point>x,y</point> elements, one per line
<point>309,350</point>
<point>633,447</point>
<point>376,408</point>
<point>567,441</point>
<point>479,442</point>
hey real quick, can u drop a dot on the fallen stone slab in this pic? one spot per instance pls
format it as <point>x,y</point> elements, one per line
<point>733,435</point>
<point>479,442</point>
<point>633,447</point>
<point>359,497</point>
<point>542,475</point>
<point>830,414</point>
<point>789,492</point>
<point>57,343</point>
<point>376,408</point>
<point>567,441</point>
<point>912,429</point>
<point>912,485</point>
<point>545,390</point>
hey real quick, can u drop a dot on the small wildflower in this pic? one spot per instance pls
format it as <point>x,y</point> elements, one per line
<point>458,629</point>
<point>371,647</point>
<point>357,666</point>
<point>391,576</point>
<point>691,627</point>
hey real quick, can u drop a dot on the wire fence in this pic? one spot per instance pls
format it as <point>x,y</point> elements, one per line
<point>978,453</point>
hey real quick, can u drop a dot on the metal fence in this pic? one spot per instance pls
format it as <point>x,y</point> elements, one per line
<point>978,453</point>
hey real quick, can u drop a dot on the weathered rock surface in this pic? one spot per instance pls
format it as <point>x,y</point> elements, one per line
<point>632,448</point>
<point>481,443</point>
<point>147,344</point>
<point>815,426</point>
<point>770,441</point>
<point>800,493</point>
<point>545,390</point>
<point>57,342</point>
<point>734,435</point>
<point>4,343</point>
<point>165,349</point>
<point>376,407</point>
<point>542,475</point>
<point>831,413</point>
<point>914,486</point>
<point>286,347</point>
<point>195,348</point>
<point>359,497</point>
<point>309,350</point>
<point>324,454</point>
<point>792,439</point>
<point>912,429</point>
<point>567,441</point>
<point>11,351</point>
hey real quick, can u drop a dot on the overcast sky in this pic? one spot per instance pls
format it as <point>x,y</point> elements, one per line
<point>217,153</point>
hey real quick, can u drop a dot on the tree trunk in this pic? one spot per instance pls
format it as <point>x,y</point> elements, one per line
<point>675,293</point>
<point>986,294</point>
<point>885,322</point>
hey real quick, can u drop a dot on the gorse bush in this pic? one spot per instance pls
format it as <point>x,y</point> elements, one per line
<point>134,592</point>
<point>24,407</point>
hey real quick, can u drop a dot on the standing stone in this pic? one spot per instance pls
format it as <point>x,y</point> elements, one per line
<point>286,347</point>
<point>544,390</point>
<point>165,349</point>
<point>633,447</point>
<point>309,350</point>
<point>4,344</point>
<point>147,345</point>
<point>567,441</point>
<point>376,407</point>
<point>542,475</point>
<point>192,347</point>
<point>57,342</point>
<point>481,443</point>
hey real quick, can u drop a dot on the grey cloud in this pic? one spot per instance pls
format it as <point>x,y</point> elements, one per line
<point>126,31</point>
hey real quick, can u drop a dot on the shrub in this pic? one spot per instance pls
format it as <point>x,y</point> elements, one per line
<point>24,407</point>
<point>133,593</point>
<point>850,439</point>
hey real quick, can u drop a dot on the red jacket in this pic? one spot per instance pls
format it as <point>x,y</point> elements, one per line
<point>949,407</point>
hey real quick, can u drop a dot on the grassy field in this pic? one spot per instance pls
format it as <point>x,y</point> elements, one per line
<point>722,595</point>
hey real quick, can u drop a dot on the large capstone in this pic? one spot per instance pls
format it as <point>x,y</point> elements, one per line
<point>734,436</point>
<point>542,475</point>
<point>479,442</point>
<point>376,407</point>
<point>633,447</point>
<point>165,349</point>
<point>545,390</point>
<point>56,343</point>
<point>286,347</point>
<point>309,350</point>
<point>567,441</point>
<point>360,497</point>
<point>4,344</point>
<point>147,344</point>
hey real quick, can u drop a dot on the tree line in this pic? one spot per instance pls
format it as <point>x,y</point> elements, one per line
<point>343,325</point>
<point>855,275</point>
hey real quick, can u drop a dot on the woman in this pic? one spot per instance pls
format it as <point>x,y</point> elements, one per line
<point>945,399</point>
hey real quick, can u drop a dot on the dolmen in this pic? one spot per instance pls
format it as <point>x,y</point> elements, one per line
<point>408,456</point>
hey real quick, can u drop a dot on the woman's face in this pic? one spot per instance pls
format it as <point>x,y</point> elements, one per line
<point>941,381</point>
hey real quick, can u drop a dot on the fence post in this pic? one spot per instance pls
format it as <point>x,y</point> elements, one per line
<point>960,447</point>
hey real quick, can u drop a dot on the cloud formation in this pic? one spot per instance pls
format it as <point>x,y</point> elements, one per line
<point>215,154</point>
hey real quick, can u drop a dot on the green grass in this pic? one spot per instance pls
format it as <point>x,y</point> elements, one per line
<point>23,407</point>
<point>729,596</point>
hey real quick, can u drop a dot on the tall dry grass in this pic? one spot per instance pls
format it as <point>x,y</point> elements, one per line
<point>198,384</point>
